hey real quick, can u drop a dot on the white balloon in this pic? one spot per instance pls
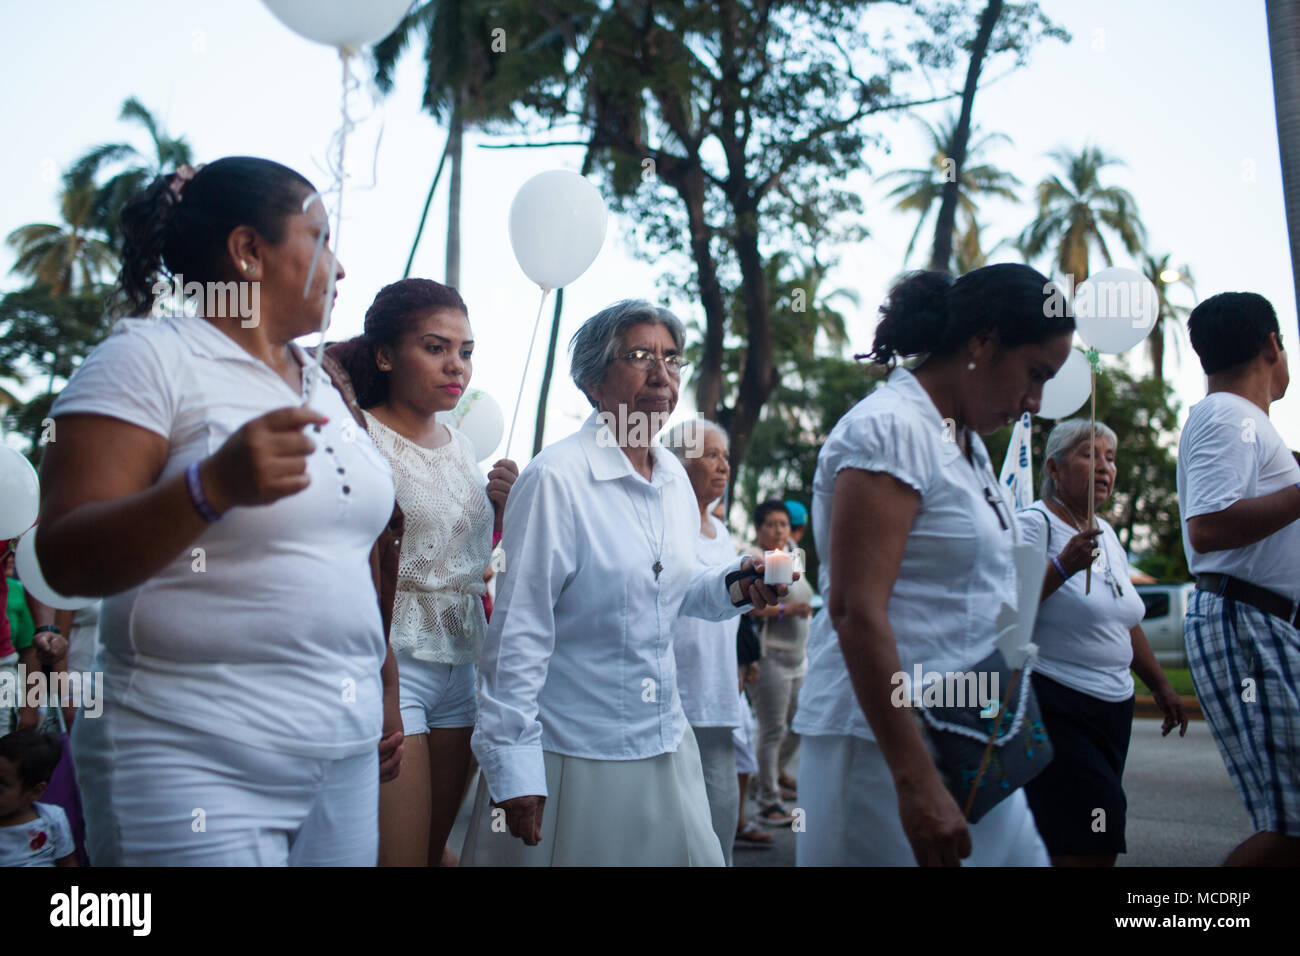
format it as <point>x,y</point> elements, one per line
<point>557,226</point>
<point>1115,309</point>
<point>29,573</point>
<point>20,493</point>
<point>477,416</point>
<point>1071,387</point>
<point>340,23</point>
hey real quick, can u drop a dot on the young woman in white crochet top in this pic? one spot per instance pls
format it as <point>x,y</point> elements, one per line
<point>415,360</point>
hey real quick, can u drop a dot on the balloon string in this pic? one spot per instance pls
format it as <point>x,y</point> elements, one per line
<point>524,378</point>
<point>340,175</point>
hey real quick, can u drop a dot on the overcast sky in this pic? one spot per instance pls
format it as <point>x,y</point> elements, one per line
<point>1181,92</point>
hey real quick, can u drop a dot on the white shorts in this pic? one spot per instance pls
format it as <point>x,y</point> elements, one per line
<point>158,794</point>
<point>850,814</point>
<point>435,695</point>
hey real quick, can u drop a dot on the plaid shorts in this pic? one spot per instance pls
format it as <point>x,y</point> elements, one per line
<point>1246,667</point>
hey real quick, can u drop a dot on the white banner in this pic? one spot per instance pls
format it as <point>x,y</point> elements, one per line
<point>1018,468</point>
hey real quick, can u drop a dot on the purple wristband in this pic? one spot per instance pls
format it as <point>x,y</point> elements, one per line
<point>197,497</point>
<point>1056,563</point>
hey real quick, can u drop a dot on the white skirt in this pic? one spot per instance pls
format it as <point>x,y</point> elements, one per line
<point>850,814</point>
<point>651,812</point>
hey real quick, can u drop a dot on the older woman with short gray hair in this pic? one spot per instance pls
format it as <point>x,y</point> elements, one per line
<point>587,756</point>
<point>1088,641</point>
<point>707,674</point>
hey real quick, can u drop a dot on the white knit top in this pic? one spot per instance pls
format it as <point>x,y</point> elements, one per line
<point>438,608</point>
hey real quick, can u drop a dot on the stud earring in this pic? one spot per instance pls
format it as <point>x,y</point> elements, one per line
<point>971,366</point>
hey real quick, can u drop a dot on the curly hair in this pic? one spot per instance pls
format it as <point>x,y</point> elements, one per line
<point>184,231</point>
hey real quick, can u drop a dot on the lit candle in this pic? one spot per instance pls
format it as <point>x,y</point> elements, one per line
<point>778,567</point>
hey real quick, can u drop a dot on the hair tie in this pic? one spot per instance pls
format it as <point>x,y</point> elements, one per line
<point>181,178</point>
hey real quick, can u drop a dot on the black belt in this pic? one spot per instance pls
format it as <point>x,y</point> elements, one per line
<point>1238,590</point>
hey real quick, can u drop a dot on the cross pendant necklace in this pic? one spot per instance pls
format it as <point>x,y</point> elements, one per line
<point>658,566</point>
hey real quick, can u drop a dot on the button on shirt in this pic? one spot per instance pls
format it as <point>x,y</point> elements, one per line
<point>578,658</point>
<point>265,629</point>
<point>956,570</point>
<point>1229,450</point>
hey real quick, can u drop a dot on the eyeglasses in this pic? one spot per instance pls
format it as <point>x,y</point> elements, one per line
<point>645,360</point>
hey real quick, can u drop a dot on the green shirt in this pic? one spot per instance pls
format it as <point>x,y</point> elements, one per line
<point>20,616</point>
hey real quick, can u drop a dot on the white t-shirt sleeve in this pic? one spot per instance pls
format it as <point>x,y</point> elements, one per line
<point>888,441</point>
<point>1220,465</point>
<point>1034,527</point>
<point>125,377</point>
<point>60,831</point>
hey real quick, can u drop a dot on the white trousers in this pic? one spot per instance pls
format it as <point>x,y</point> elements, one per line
<point>158,794</point>
<point>851,814</point>
<point>718,760</point>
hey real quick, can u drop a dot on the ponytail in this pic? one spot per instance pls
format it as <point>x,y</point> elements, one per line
<point>931,313</point>
<point>180,223</point>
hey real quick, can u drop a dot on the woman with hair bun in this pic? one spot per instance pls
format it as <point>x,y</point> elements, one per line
<point>235,546</point>
<point>911,529</point>
<point>414,360</point>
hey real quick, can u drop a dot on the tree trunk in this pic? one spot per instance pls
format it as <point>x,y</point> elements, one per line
<point>539,424</point>
<point>1284,51</point>
<point>454,146</point>
<point>1156,345</point>
<point>946,223</point>
<point>758,376</point>
<point>424,215</point>
<point>709,376</point>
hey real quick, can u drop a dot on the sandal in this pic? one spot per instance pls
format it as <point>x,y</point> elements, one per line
<point>753,835</point>
<point>775,816</point>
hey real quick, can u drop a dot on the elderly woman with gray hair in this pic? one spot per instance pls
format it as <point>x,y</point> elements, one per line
<point>1087,643</point>
<point>587,756</point>
<point>707,674</point>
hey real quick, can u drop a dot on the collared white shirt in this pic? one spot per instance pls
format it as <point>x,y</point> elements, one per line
<point>957,567</point>
<point>578,658</point>
<point>706,650</point>
<point>267,628</point>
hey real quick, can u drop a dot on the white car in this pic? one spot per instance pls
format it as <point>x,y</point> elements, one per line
<point>1163,625</point>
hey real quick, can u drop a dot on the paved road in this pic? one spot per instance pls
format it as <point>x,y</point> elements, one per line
<point>1182,809</point>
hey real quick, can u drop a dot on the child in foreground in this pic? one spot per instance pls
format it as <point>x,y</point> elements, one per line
<point>31,833</point>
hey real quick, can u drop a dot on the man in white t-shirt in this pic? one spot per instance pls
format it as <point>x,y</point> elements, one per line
<point>1239,493</point>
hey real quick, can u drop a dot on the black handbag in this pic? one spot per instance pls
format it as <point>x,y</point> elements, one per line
<point>980,776</point>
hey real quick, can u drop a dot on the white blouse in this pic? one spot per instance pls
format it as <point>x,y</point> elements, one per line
<point>266,629</point>
<point>956,570</point>
<point>578,658</point>
<point>1085,640</point>
<point>446,546</point>
<point>706,650</point>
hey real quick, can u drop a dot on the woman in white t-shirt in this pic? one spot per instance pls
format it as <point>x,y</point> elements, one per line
<point>1087,641</point>
<point>242,641</point>
<point>414,360</point>
<point>911,526</point>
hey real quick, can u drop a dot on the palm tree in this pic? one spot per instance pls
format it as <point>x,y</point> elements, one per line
<point>135,169</point>
<point>1169,315</point>
<point>920,190</point>
<point>1284,53</point>
<point>69,256</point>
<point>469,81</point>
<point>1073,211</point>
